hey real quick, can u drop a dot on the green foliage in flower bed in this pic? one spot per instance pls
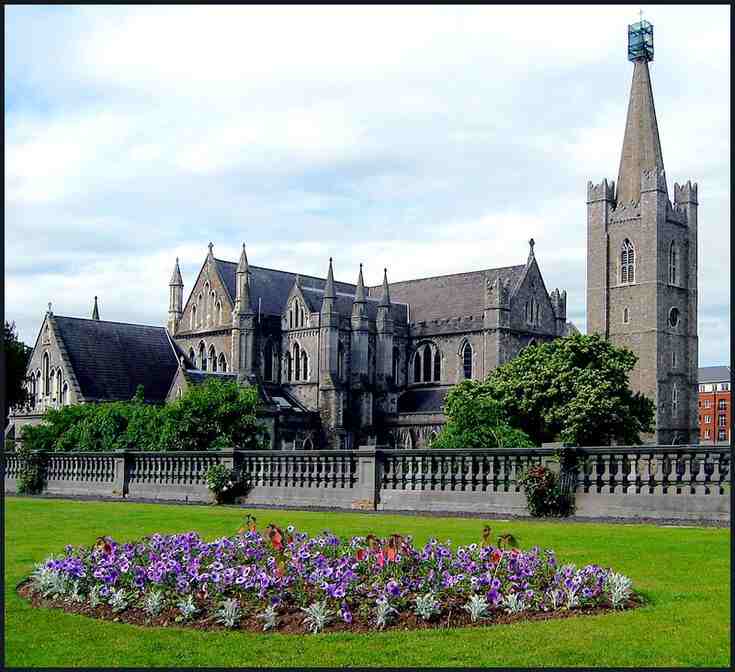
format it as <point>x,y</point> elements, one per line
<point>216,414</point>
<point>325,576</point>
<point>686,620</point>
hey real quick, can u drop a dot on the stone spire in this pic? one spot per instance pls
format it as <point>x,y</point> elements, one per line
<point>360,290</point>
<point>243,266</point>
<point>385,297</point>
<point>531,255</point>
<point>242,298</point>
<point>329,292</point>
<point>95,310</point>
<point>210,254</point>
<point>641,143</point>
<point>176,280</point>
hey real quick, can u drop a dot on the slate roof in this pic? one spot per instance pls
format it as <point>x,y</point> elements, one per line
<point>446,296</point>
<point>714,374</point>
<point>110,359</point>
<point>197,377</point>
<point>272,287</point>
<point>422,400</point>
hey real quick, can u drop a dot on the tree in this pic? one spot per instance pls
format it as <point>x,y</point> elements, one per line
<point>575,389</point>
<point>475,420</point>
<point>215,414</point>
<point>17,355</point>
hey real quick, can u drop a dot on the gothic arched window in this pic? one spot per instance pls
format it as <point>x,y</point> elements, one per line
<point>219,312</point>
<point>627,262</point>
<point>202,357</point>
<point>65,395</point>
<point>674,398</point>
<point>297,361</point>
<point>304,365</point>
<point>427,364</point>
<point>290,317</point>
<point>626,315</point>
<point>396,362</point>
<point>289,367</point>
<point>673,264</point>
<point>213,358</point>
<point>437,365</point>
<point>192,356</point>
<point>467,360</point>
<point>58,385</point>
<point>46,374</point>
<point>222,363</point>
<point>417,367</point>
<point>268,360</point>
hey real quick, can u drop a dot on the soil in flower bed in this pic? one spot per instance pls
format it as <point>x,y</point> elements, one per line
<point>291,621</point>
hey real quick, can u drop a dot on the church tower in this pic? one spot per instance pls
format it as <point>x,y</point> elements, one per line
<point>642,262</point>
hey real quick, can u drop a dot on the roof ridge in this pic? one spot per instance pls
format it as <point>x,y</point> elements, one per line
<point>89,319</point>
<point>449,275</point>
<point>278,270</point>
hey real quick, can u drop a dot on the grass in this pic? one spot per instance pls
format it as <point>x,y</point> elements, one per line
<point>683,572</point>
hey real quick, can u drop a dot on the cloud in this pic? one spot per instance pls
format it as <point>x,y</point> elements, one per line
<point>430,140</point>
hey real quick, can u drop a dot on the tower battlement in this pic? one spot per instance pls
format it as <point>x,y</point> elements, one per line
<point>604,191</point>
<point>653,180</point>
<point>685,193</point>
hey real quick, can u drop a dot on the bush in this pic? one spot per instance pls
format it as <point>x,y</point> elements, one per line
<point>221,481</point>
<point>543,493</point>
<point>214,415</point>
<point>30,476</point>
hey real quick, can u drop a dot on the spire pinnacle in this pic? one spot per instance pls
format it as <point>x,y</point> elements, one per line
<point>360,289</point>
<point>95,310</point>
<point>385,298</point>
<point>243,266</point>
<point>211,248</point>
<point>531,254</point>
<point>329,292</point>
<point>641,143</point>
<point>176,280</point>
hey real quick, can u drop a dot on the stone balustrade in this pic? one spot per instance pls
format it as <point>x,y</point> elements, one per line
<point>682,482</point>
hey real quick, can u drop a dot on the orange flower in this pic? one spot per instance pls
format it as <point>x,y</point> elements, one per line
<point>496,555</point>
<point>360,554</point>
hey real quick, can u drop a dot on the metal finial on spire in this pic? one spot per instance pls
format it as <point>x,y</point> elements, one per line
<point>211,247</point>
<point>385,298</point>
<point>95,310</point>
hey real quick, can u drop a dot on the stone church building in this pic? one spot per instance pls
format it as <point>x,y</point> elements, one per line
<point>339,365</point>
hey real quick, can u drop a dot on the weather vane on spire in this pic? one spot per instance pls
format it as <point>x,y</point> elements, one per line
<point>640,40</point>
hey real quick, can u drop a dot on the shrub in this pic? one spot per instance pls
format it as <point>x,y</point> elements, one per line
<point>221,481</point>
<point>30,475</point>
<point>543,493</point>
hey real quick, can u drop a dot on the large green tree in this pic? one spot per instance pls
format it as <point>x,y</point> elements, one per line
<point>475,420</point>
<point>574,389</point>
<point>16,354</point>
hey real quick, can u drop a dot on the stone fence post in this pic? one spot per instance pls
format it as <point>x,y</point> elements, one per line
<point>368,478</point>
<point>120,482</point>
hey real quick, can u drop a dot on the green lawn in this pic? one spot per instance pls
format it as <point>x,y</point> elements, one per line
<point>683,572</point>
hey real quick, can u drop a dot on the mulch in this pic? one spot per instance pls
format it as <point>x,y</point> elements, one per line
<point>291,622</point>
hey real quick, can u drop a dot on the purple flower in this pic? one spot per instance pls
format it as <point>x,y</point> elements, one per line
<point>392,588</point>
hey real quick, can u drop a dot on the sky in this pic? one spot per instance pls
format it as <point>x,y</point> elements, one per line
<point>428,140</point>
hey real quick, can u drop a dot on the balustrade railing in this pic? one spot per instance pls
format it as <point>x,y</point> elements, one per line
<point>298,468</point>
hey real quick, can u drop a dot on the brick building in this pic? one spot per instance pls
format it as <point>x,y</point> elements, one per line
<point>714,405</point>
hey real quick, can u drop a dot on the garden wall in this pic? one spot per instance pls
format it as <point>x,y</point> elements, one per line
<point>665,482</point>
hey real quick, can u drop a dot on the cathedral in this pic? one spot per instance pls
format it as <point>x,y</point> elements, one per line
<point>338,365</point>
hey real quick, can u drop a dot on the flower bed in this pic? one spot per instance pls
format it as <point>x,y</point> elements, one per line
<point>290,582</point>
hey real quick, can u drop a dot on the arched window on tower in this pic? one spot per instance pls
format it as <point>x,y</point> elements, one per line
<point>396,363</point>
<point>340,361</point>
<point>222,362</point>
<point>627,263</point>
<point>437,365</point>
<point>673,264</point>
<point>213,358</point>
<point>417,367</point>
<point>290,317</point>
<point>467,360</point>
<point>304,365</point>
<point>46,375</point>
<point>427,363</point>
<point>297,361</point>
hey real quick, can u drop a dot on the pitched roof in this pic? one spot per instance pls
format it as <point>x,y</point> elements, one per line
<point>641,143</point>
<point>714,374</point>
<point>422,400</point>
<point>343,304</point>
<point>110,359</point>
<point>272,287</point>
<point>446,296</point>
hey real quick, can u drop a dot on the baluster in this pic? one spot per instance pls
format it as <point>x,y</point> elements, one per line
<point>604,476</point>
<point>658,476</point>
<point>630,474</point>
<point>716,481</point>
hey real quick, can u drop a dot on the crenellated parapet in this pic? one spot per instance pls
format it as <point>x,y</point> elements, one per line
<point>625,212</point>
<point>685,194</point>
<point>676,213</point>
<point>604,191</point>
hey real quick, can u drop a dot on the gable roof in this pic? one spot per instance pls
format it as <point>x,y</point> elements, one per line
<point>446,296</point>
<point>110,359</point>
<point>714,374</point>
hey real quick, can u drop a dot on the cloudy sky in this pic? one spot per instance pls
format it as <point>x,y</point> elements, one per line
<point>428,140</point>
